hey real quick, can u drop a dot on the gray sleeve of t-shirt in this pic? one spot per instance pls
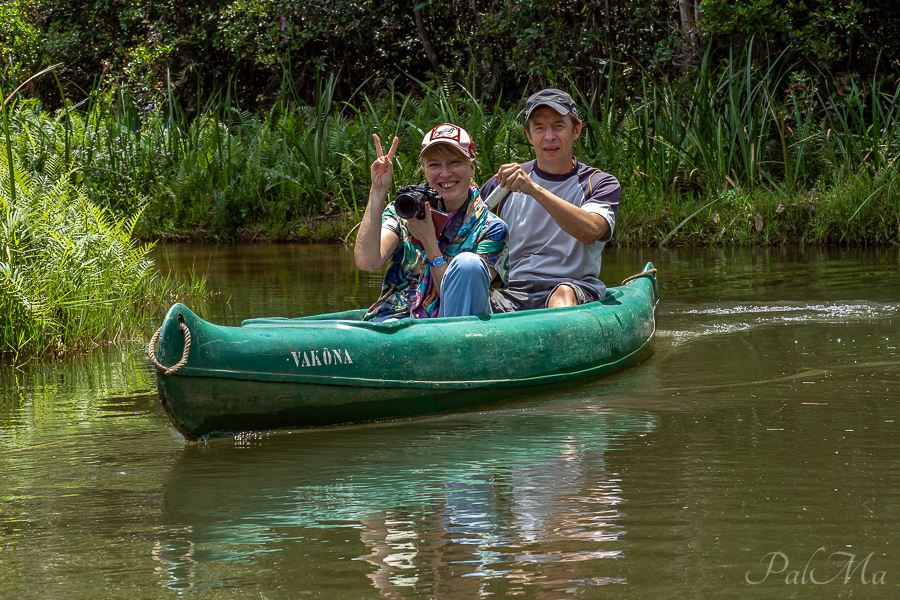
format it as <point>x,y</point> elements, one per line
<point>601,197</point>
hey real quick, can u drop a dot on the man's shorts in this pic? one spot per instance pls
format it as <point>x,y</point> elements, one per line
<point>530,295</point>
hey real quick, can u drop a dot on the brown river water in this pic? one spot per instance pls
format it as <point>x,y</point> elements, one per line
<point>755,455</point>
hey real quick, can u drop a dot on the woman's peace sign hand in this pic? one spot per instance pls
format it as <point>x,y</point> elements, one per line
<point>383,167</point>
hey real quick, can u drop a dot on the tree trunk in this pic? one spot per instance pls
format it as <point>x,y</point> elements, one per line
<point>426,41</point>
<point>691,32</point>
<point>688,24</point>
<point>479,27</point>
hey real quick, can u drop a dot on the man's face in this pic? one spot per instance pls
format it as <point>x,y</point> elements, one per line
<point>553,137</point>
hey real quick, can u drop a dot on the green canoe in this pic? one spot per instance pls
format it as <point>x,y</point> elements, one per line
<point>335,368</point>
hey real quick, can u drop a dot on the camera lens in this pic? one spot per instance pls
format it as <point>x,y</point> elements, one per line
<point>409,204</point>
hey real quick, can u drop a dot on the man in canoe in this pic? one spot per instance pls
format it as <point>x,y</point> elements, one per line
<point>432,272</point>
<point>560,213</point>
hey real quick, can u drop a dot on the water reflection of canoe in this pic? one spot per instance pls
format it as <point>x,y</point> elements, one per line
<point>335,368</point>
<point>507,495</point>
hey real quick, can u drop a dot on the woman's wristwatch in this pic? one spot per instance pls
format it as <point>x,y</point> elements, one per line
<point>437,262</point>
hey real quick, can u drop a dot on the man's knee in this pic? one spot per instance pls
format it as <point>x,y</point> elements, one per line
<point>563,295</point>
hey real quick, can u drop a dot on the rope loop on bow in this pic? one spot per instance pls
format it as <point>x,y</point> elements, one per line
<point>628,280</point>
<point>184,355</point>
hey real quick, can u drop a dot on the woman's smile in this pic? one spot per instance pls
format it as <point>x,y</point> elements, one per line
<point>450,177</point>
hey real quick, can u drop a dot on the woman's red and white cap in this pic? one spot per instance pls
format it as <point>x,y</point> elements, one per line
<point>453,135</point>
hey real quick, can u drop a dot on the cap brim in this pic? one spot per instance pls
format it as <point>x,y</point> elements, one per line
<point>554,105</point>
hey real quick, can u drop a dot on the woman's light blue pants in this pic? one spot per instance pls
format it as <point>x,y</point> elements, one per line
<point>466,287</point>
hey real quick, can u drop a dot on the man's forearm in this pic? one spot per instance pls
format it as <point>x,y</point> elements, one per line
<point>585,227</point>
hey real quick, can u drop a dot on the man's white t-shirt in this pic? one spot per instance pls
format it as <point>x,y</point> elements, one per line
<point>538,248</point>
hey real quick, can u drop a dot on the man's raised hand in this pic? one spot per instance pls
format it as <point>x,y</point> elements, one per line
<point>514,178</point>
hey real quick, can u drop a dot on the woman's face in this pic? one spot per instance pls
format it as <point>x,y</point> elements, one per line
<point>449,174</point>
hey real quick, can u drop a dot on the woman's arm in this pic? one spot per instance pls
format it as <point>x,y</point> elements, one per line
<point>375,245</point>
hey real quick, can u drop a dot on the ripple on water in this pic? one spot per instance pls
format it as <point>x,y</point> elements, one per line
<point>836,310</point>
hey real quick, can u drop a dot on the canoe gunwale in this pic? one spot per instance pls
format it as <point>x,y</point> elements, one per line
<point>613,297</point>
<point>404,383</point>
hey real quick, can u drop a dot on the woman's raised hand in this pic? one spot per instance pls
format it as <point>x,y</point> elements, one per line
<point>383,167</point>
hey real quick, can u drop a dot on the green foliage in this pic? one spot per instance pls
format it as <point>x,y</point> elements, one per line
<point>831,34</point>
<point>228,170</point>
<point>22,44</point>
<point>858,209</point>
<point>495,48</point>
<point>352,35</point>
<point>70,273</point>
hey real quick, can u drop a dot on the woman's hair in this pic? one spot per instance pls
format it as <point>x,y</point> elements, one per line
<point>447,151</point>
<point>444,151</point>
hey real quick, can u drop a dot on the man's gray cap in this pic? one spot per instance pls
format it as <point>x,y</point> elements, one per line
<point>556,99</point>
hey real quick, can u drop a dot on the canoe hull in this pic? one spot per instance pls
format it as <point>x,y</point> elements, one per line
<point>198,406</point>
<point>334,369</point>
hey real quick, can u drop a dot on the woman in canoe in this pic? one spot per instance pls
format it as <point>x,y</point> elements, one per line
<point>432,274</point>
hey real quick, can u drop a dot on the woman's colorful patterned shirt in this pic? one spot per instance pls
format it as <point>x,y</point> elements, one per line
<point>408,288</point>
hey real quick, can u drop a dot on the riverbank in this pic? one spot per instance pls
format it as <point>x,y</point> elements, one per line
<point>723,157</point>
<point>860,212</point>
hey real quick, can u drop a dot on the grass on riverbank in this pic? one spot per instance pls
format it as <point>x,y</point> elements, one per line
<point>861,210</point>
<point>744,154</point>
<point>71,273</point>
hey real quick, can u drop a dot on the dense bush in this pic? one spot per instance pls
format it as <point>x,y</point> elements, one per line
<point>70,272</point>
<point>494,46</point>
<point>836,35</point>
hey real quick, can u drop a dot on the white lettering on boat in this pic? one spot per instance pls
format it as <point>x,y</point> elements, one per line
<point>328,357</point>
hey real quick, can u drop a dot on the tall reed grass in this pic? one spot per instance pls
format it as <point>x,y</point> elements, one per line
<point>744,153</point>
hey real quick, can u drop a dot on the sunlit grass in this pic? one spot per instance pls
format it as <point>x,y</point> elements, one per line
<point>769,135</point>
<point>72,274</point>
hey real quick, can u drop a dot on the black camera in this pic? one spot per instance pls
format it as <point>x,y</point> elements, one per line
<point>410,200</point>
